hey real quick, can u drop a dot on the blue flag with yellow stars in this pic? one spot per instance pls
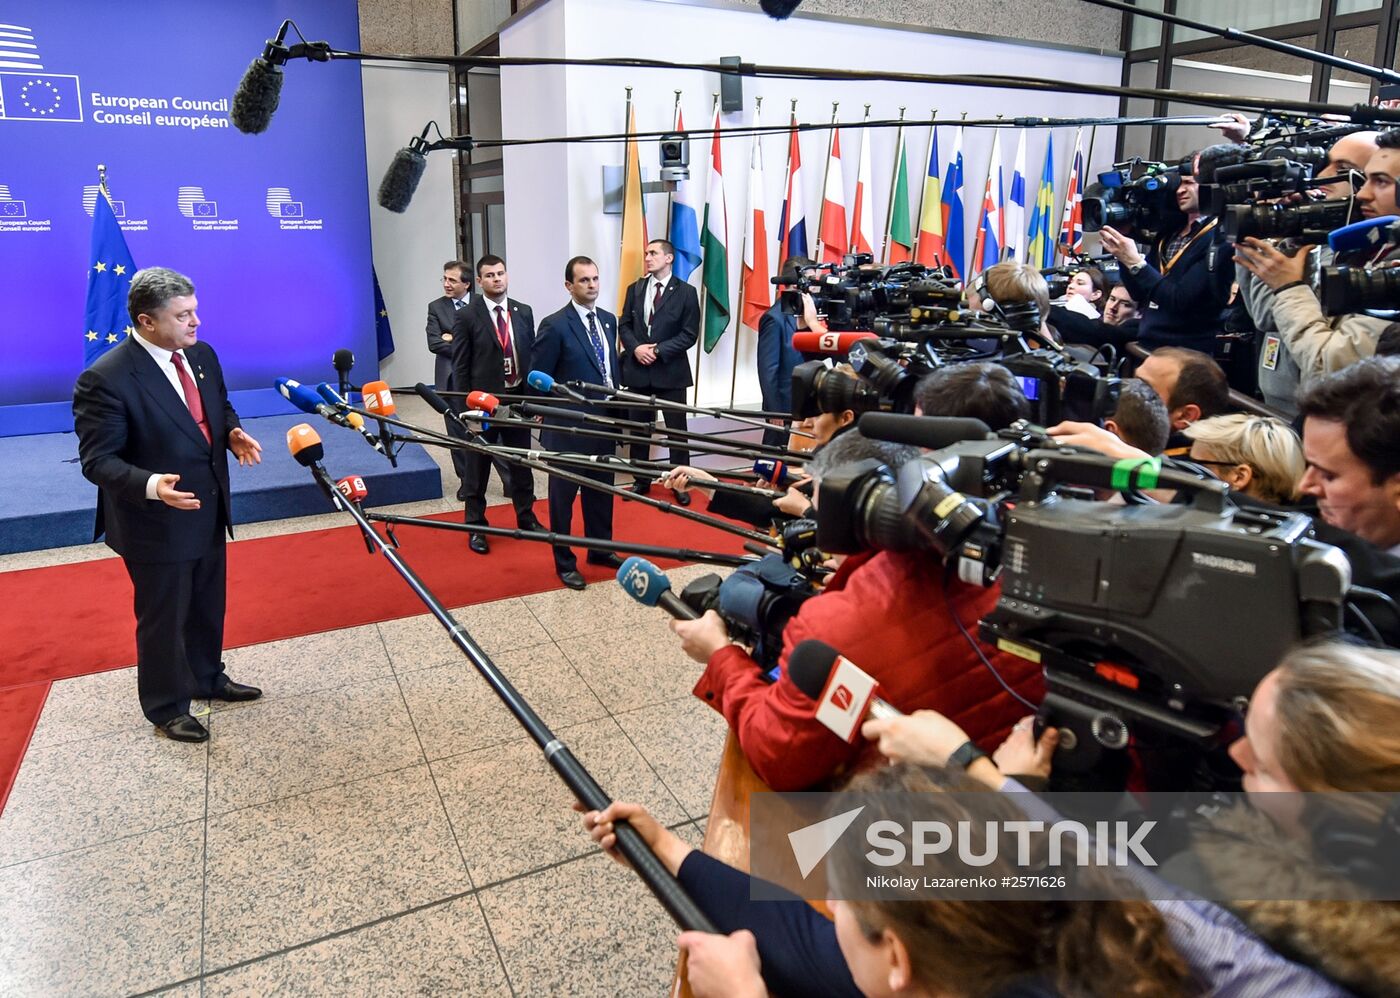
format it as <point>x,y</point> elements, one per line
<point>383,335</point>
<point>105,323</point>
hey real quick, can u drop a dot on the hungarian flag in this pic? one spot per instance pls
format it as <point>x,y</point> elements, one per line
<point>685,226</point>
<point>792,222</point>
<point>899,244</point>
<point>953,208</point>
<point>1072,222</point>
<point>862,212</point>
<point>632,265</point>
<point>1016,206</point>
<point>991,231</point>
<point>930,251</point>
<point>831,226</point>
<point>714,240</point>
<point>1042,228</point>
<point>756,283</point>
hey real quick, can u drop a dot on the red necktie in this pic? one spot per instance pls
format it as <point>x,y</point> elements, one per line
<point>192,398</point>
<point>655,302</point>
<point>507,348</point>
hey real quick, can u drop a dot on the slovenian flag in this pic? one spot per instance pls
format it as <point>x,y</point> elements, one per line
<point>953,208</point>
<point>930,251</point>
<point>1042,227</point>
<point>1016,206</point>
<point>684,232</point>
<point>792,223</point>
<point>714,237</point>
<point>991,232</point>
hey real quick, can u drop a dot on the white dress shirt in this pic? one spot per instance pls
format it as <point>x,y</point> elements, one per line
<point>655,281</point>
<point>162,358</point>
<point>602,336</point>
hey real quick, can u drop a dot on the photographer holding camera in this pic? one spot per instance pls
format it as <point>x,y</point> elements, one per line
<point>1181,286</point>
<point>1300,342</point>
<point>896,613</point>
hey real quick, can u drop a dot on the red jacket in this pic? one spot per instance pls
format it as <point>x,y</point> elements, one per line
<point>887,613</point>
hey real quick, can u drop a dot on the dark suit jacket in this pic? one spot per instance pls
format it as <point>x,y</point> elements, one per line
<point>776,358</point>
<point>132,424</point>
<point>674,329</point>
<point>562,350</point>
<point>478,363</point>
<point>1181,307</point>
<point>442,314</point>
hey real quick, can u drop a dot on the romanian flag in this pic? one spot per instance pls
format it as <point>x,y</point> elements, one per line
<point>930,250</point>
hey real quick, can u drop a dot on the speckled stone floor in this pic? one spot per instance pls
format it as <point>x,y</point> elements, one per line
<point>376,824</point>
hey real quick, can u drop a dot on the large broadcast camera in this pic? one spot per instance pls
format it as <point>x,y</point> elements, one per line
<point>1342,288</point>
<point>1136,197</point>
<point>920,322</point>
<point>756,601</point>
<point>1121,605</point>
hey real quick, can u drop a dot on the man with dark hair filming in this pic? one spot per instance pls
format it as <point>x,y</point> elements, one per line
<point>893,613</point>
<point>1180,285</point>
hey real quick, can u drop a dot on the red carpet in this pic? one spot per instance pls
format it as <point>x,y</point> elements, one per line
<point>74,620</point>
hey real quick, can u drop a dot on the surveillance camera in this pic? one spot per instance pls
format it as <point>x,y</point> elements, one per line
<point>675,157</point>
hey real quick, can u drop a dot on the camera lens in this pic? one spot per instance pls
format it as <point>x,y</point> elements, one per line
<point>1353,289</point>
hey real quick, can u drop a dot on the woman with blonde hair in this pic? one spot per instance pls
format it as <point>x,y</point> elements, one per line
<point>1258,456</point>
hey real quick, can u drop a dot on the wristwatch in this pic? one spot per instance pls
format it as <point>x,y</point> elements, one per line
<point>1137,266</point>
<point>965,755</point>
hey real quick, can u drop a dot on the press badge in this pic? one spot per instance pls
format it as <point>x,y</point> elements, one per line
<point>510,366</point>
<point>1269,358</point>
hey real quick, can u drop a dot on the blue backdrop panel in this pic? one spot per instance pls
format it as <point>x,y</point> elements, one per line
<point>45,501</point>
<point>273,228</point>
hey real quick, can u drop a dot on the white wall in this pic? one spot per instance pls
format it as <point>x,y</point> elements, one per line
<point>409,249</point>
<point>554,193</point>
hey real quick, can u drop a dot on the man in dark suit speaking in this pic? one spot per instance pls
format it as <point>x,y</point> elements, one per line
<point>577,343</point>
<point>154,422</point>
<point>660,321</point>
<point>491,342</point>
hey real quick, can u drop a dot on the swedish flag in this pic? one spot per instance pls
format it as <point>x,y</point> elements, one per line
<point>1042,236</point>
<point>110,268</point>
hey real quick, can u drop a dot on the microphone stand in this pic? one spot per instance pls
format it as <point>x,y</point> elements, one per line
<point>763,450</point>
<point>611,463</point>
<point>667,889</point>
<point>589,543</point>
<point>654,402</point>
<point>764,414</point>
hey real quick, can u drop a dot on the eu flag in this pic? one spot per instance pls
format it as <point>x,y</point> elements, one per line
<point>39,96</point>
<point>110,268</point>
<point>383,335</point>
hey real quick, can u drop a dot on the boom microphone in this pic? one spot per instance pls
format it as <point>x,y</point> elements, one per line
<point>833,343</point>
<point>255,100</point>
<point>546,385</point>
<point>404,172</point>
<point>647,584</point>
<point>845,694</point>
<point>928,432</point>
<point>779,10</point>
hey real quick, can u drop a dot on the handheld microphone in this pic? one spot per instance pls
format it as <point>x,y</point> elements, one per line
<point>352,487</point>
<point>647,584</point>
<point>379,400</point>
<point>433,399</point>
<point>928,432</point>
<point>343,360</point>
<point>1366,234</point>
<point>546,385</point>
<point>484,401</point>
<point>774,471</point>
<point>404,172</point>
<point>845,694</point>
<point>304,443</point>
<point>306,400</point>
<point>354,420</point>
<point>832,343</point>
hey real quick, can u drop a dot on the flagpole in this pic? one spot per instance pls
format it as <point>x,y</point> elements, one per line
<point>700,340</point>
<point>671,197</point>
<point>826,173</point>
<point>894,178</point>
<point>739,326</point>
<point>785,216</point>
<point>923,182</point>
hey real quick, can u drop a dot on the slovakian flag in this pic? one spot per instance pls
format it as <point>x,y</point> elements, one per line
<point>862,211</point>
<point>792,221</point>
<point>632,262</point>
<point>899,232</point>
<point>991,230</point>
<point>1072,222</point>
<point>953,209</point>
<point>684,232</point>
<point>1042,233</point>
<point>1016,206</point>
<point>831,224</point>
<point>930,250</point>
<point>714,239</point>
<point>756,284</point>
<point>110,269</point>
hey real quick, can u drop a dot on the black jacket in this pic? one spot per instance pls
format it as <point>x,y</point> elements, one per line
<point>478,362</point>
<point>674,329</point>
<point>1180,301</point>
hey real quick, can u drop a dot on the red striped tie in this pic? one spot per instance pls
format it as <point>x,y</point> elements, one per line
<point>192,398</point>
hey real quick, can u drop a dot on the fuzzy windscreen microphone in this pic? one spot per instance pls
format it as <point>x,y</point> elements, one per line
<point>779,9</point>
<point>255,100</point>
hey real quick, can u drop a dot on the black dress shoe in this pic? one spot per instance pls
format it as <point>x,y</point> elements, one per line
<point>608,560</point>
<point>530,523</point>
<point>183,729</point>
<point>237,692</point>
<point>640,488</point>
<point>478,543</point>
<point>462,494</point>
<point>682,498</point>
<point>573,580</point>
